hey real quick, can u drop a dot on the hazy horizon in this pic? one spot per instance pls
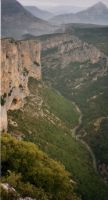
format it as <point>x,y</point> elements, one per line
<point>53,3</point>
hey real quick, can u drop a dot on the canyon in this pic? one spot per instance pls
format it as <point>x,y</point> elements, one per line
<point>54,103</point>
<point>35,72</point>
<point>79,70</point>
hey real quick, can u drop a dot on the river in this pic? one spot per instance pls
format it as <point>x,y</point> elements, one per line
<point>80,137</point>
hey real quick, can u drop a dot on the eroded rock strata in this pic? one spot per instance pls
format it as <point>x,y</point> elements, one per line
<point>19,61</point>
<point>71,48</point>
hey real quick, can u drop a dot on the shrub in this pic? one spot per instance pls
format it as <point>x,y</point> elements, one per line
<point>32,172</point>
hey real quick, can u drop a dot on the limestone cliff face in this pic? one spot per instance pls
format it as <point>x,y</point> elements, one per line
<point>19,61</point>
<point>71,49</point>
<point>66,57</point>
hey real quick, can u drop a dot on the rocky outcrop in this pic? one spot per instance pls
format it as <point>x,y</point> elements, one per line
<point>70,49</point>
<point>71,61</point>
<point>19,61</point>
<point>9,190</point>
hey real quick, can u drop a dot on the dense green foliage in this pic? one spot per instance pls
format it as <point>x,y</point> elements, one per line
<point>56,139</point>
<point>61,107</point>
<point>100,140</point>
<point>32,173</point>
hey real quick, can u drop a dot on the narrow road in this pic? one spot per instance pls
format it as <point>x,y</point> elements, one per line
<point>79,137</point>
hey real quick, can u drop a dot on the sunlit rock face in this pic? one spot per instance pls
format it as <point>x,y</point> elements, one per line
<point>19,61</point>
<point>71,49</point>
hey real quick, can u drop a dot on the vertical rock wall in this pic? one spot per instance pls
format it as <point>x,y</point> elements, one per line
<point>19,61</point>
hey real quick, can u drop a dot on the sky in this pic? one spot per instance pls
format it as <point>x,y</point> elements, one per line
<point>50,3</point>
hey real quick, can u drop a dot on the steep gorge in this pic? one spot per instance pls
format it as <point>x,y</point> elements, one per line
<point>80,73</point>
<point>47,117</point>
<point>32,115</point>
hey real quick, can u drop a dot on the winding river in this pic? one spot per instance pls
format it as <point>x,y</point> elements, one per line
<point>79,137</point>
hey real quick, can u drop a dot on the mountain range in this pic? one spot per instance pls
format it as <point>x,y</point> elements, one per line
<point>59,10</point>
<point>97,14</point>
<point>43,14</point>
<point>16,21</point>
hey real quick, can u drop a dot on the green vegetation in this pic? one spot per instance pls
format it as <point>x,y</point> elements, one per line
<point>91,97</point>
<point>32,173</point>
<point>50,51</point>
<point>25,72</point>
<point>94,109</point>
<point>76,82</point>
<point>61,107</point>
<point>95,35</point>
<point>3,99</point>
<point>54,137</point>
<point>100,140</point>
<point>87,85</point>
<point>47,120</point>
<point>55,103</point>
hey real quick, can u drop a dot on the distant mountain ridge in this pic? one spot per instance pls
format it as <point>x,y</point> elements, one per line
<point>38,12</point>
<point>59,10</point>
<point>97,14</point>
<point>16,21</point>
